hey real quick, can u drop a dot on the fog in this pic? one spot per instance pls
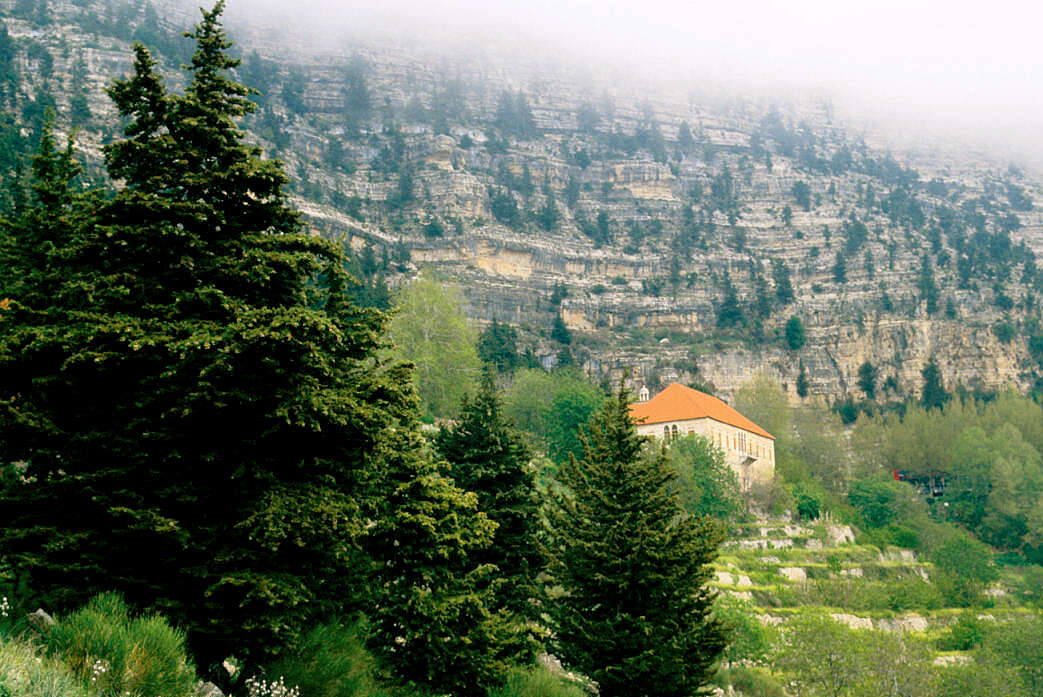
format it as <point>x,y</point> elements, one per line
<point>918,69</point>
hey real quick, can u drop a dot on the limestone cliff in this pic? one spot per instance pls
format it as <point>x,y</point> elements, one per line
<point>658,222</point>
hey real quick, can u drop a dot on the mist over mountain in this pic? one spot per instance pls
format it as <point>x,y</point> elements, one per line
<point>913,71</point>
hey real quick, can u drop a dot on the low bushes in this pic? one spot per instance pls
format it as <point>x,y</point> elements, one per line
<point>120,655</point>
<point>752,682</point>
<point>331,661</point>
<point>911,593</point>
<point>538,682</point>
<point>25,673</point>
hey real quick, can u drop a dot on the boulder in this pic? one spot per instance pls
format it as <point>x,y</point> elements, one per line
<point>853,621</point>
<point>208,689</point>
<point>839,534</point>
<point>905,623</point>
<point>953,660</point>
<point>40,620</point>
<point>794,573</point>
<point>725,578</point>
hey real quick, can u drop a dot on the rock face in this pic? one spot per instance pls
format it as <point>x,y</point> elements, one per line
<point>853,621</point>
<point>673,249</point>
<point>41,620</point>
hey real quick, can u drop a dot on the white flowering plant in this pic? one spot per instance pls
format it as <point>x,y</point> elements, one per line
<point>258,687</point>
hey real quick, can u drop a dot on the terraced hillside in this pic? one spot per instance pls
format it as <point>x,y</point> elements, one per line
<point>782,571</point>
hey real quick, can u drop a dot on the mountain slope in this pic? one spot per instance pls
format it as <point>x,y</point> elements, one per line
<point>660,224</point>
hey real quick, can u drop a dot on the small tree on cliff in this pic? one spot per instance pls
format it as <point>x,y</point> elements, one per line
<point>934,394</point>
<point>636,611</point>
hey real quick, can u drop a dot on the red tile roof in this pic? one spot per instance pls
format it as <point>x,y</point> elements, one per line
<point>680,403</point>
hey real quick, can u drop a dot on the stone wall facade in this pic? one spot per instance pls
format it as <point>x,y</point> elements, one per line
<point>751,456</point>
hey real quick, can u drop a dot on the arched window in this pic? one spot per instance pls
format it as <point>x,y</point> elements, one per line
<point>674,434</point>
<point>666,432</point>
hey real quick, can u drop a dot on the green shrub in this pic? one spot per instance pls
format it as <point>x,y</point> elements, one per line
<point>331,661</point>
<point>538,682</point>
<point>25,673</point>
<point>902,536</point>
<point>748,638</point>
<point>911,593</point>
<point>964,568</point>
<point>120,655</point>
<point>914,594</point>
<point>1030,586</point>
<point>965,634</point>
<point>808,499</point>
<point>754,682</point>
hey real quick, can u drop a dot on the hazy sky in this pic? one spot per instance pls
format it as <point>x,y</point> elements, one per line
<point>974,69</point>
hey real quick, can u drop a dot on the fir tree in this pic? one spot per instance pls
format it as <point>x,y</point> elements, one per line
<point>489,458</point>
<point>208,422</point>
<point>934,394</point>
<point>840,269</point>
<point>547,216</point>
<point>8,66</point>
<point>498,346</point>
<point>635,614</point>
<point>762,304</point>
<point>729,312</point>
<point>867,378</point>
<point>783,286</point>
<point>802,382</point>
<point>794,333</point>
<point>30,243</point>
<point>685,140</point>
<point>432,626</point>
<point>928,288</point>
<point>559,332</point>
<point>79,106</point>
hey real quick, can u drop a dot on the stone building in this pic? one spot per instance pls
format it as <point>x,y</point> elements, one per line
<point>679,411</point>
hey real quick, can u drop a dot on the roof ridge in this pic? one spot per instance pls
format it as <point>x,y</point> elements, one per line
<point>678,402</point>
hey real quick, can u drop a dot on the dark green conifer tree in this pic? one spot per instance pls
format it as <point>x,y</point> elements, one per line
<point>489,458</point>
<point>802,382</point>
<point>31,270</point>
<point>867,378</point>
<point>840,269</point>
<point>783,286</point>
<point>635,614</point>
<point>794,333</point>
<point>559,332</point>
<point>729,311</point>
<point>79,106</point>
<point>433,628</point>
<point>934,394</point>
<point>199,430</point>
<point>498,346</point>
<point>8,67</point>
<point>928,288</point>
<point>762,304</point>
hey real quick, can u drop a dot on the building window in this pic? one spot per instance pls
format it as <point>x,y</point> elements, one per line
<point>674,433</point>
